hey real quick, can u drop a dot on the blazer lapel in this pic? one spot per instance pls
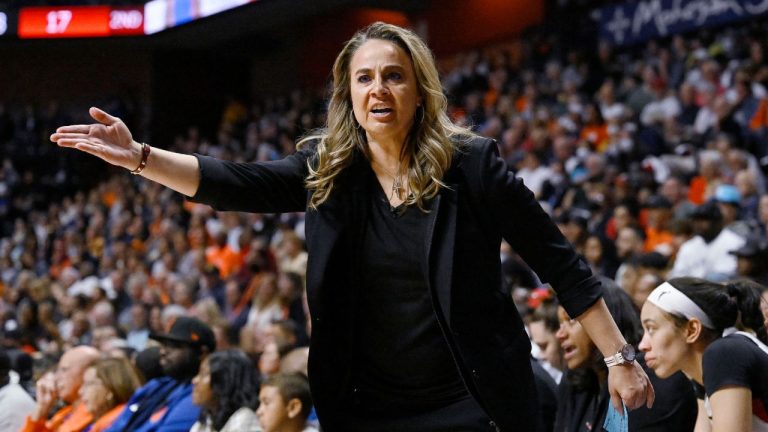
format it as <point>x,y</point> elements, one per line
<point>441,238</point>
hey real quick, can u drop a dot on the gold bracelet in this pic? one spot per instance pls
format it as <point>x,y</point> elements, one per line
<point>145,149</point>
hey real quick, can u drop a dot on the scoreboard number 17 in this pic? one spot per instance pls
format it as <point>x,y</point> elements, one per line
<point>58,21</point>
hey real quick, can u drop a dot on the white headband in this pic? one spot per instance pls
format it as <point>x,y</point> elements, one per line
<point>671,300</point>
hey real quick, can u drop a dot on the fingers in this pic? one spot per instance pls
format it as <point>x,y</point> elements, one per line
<point>102,117</point>
<point>617,404</point>
<point>651,398</point>
<point>71,142</point>
<point>68,136</point>
<point>83,129</point>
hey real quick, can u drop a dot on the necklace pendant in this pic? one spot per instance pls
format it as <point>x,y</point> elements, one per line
<point>397,188</point>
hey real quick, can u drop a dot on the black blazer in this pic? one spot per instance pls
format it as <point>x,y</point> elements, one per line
<point>482,203</point>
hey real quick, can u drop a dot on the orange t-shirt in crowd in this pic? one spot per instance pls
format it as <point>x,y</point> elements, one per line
<point>71,418</point>
<point>107,419</point>
<point>760,119</point>
<point>227,260</point>
<point>697,190</point>
<point>655,238</point>
<point>597,134</point>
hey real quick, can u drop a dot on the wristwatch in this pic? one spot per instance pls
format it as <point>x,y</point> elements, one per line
<point>625,355</point>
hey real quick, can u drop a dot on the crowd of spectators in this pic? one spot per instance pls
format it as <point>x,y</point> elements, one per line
<point>651,160</point>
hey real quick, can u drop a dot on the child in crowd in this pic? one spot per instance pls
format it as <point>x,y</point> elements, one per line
<point>285,404</point>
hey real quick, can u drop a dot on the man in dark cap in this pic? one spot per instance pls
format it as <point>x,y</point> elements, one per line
<point>165,403</point>
<point>752,260</point>
<point>706,254</point>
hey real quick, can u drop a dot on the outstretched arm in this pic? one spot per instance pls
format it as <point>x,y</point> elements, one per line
<point>111,140</point>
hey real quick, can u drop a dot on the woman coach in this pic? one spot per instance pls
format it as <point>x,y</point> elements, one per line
<point>405,213</point>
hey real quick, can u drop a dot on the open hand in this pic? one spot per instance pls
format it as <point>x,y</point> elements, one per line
<point>109,139</point>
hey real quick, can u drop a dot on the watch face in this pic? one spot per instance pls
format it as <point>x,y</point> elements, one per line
<point>628,352</point>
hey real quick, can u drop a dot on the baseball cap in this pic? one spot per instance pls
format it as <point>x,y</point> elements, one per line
<point>190,331</point>
<point>729,194</point>
<point>708,210</point>
<point>752,248</point>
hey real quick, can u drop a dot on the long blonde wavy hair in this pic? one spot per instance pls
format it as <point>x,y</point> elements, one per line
<point>430,145</point>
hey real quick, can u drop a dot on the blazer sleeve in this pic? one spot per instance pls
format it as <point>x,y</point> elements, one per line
<point>259,187</point>
<point>533,235</point>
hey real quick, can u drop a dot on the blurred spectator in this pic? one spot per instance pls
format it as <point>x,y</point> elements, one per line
<point>292,257</point>
<point>542,326</point>
<point>600,253</point>
<point>64,385</point>
<point>138,335</point>
<point>147,363</point>
<point>674,189</point>
<point>728,199</point>
<point>295,361</point>
<point>706,255</point>
<point>285,404</point>
<point>657,235</point>
<point>629,245</point>
<point>265,308</point>
<point>226,388</point>
<point>752,260</point>
<point>646,283</point>
<point>107,385</point>
<point>271,358</point>
<point>15,403</point>
<point>165,403</point>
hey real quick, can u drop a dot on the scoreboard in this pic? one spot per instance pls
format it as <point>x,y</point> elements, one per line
<point>80,21</point>
<point>106,21</point>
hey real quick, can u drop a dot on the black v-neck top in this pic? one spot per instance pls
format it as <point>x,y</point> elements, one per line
<point>404,358</point>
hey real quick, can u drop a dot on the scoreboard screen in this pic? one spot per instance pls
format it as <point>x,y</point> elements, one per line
<point>39,22</point>
<point>80,21</point>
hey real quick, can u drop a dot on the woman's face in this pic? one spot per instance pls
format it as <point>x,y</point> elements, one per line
<point>94,394</point>
<point>202,394</point>
<point>269,362</point>
<point>663,342</point>
<point>384,90</point>
<point>547,343</point>
<point>593,250</point>
<point>577,346</point>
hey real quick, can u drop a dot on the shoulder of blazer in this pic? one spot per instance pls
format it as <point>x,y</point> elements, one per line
<point>472,157</point>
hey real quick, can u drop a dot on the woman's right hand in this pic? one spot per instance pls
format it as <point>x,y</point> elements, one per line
<point>109,139</point>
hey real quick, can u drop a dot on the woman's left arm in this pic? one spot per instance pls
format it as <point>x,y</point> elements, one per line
<point>532,234</point>
<point>628,382</point>
<point>731,409</point>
